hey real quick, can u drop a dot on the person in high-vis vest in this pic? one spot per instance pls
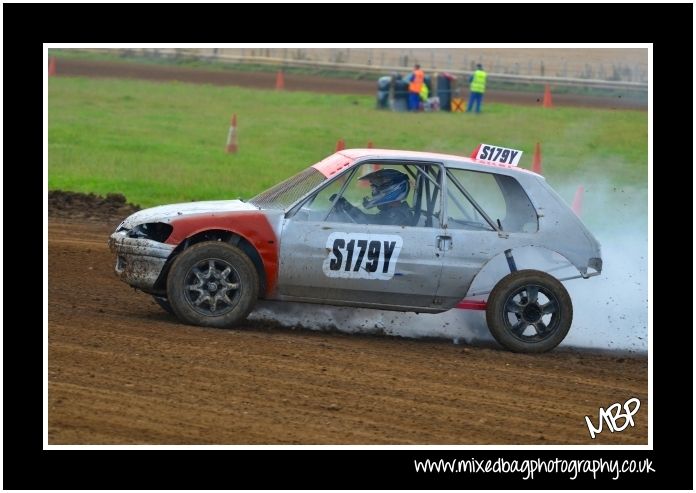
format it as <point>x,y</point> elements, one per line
<point>414,88</point>
<point>476,88</point>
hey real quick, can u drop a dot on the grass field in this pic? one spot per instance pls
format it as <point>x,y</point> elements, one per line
<point>164,142</point>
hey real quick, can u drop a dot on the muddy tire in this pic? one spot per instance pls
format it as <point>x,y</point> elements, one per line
<point>164,304</point>
<point>529,311</point>
<point>213,284</point>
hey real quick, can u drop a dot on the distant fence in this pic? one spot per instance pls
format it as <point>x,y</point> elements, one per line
<point>363,60</point>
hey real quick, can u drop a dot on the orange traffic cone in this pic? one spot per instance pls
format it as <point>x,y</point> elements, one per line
<point>577,201</point>
<point>280,80</point>
<point>340,145</point>
<point>547,97</point>
<point>369,144</point>
<point>232,136</point>
<point>536,163</point>
<point>51,66</point>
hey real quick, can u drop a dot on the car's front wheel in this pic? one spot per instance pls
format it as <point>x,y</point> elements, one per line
<point>164,304</point>
<point>213,284</point>
<point>529,311</point>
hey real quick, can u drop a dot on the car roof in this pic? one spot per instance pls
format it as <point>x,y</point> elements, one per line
<point>355,154</point>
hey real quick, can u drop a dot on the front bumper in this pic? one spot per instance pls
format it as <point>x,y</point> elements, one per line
<point>139,261</point>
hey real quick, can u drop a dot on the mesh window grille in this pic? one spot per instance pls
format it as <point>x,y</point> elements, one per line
<point>286,193</point>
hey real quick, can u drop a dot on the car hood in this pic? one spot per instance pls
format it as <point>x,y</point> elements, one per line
<point>164,213</point>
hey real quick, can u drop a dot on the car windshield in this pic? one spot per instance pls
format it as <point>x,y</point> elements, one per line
<point>286,193</point>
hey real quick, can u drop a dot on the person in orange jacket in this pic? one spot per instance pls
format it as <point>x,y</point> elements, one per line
<point>414,88</point>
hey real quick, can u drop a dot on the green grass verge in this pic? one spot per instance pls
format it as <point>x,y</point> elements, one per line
<point>164,142</point>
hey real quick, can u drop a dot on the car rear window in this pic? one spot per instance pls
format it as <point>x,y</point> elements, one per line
<point>500,197</point>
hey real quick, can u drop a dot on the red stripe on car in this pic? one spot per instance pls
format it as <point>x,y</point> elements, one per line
<point>471,305</point>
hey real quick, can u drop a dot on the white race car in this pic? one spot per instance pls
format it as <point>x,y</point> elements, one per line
<point>371,228</point>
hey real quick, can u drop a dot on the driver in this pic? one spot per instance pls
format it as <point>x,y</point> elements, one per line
<point>389,191</point>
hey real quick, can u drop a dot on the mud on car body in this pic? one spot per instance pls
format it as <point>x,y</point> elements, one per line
<point>208,262</point>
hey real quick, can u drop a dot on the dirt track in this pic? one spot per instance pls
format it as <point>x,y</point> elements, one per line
<point>123,371</point>
<point>267,80</point>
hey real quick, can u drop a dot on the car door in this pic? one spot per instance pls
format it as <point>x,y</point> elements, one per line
<point>487,213</point>
<point>327,257</point>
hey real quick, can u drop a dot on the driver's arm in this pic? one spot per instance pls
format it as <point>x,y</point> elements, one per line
<point>351,211</point>
<point>356,214</point>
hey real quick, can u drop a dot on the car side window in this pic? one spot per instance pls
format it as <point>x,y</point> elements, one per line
<point>317,207</point>
<point>381,192</point>
<point>479,201</point>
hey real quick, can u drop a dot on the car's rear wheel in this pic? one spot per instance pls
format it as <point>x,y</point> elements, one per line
<point>529,311</point>
<point>213,284</point>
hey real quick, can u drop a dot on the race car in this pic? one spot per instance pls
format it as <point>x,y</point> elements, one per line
<point>372,228</point>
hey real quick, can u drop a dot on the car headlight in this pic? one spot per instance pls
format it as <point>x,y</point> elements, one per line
<point>151,231</point>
